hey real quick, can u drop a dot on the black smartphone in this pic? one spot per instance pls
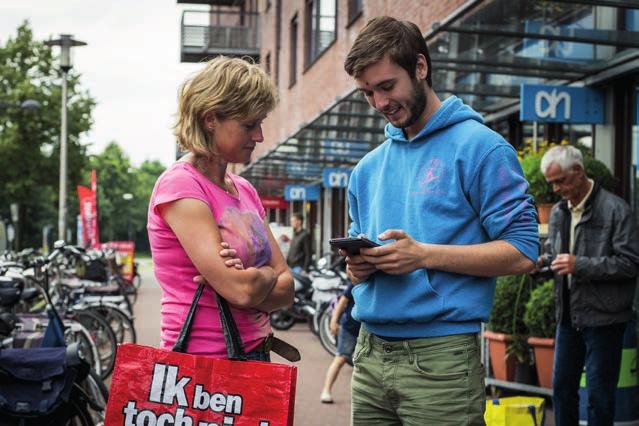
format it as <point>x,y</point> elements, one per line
<point>352,244</point>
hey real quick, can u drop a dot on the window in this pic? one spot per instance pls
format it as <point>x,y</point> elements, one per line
<point>292,79</point>
<point>321,25</point>
<point>354,10</point>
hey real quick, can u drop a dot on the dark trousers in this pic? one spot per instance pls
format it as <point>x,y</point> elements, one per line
<point>599,349</point>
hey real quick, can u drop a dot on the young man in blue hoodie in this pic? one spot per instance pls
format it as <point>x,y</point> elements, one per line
<point>446,198</point>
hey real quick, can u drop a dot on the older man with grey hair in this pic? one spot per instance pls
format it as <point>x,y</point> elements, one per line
<point>593,251</point>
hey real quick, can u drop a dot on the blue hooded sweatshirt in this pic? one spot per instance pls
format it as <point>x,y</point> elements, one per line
<point>456,182</point>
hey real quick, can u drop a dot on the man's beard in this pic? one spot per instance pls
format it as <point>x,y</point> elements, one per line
<point>416,105</point>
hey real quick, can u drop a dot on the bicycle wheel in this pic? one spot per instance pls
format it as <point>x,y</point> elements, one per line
<point>103,337</point>
<point>75,332</point>
<point>79,415</point>
<point>137,280</point>
<point>281,319</point>
<point>128,290</point>
<point>96,390</point>
<point>120,323</point>
<point>328,340</point>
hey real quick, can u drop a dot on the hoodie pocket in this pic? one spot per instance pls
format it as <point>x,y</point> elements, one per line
<point>429,276</point>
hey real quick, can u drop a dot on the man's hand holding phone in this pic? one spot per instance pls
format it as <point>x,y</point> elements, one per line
<point>402,256</point>
<point>357,268</point>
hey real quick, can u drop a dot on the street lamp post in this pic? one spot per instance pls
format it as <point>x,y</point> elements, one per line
<point>66,42</point>
<point>29,104</point>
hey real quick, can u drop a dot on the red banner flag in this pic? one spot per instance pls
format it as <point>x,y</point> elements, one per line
<point>94,182</point>
<point>96,228</point>
<point>89,216</point>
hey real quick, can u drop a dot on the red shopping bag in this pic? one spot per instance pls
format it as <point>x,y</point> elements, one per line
<point>159,387</point>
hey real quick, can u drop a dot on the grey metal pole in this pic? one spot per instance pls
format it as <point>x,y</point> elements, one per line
<point>65,42</point>
<point>62,205</point>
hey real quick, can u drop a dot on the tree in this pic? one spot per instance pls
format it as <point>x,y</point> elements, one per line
<point>147,174</point>
<point>29,140</point>
<point>116,177</point>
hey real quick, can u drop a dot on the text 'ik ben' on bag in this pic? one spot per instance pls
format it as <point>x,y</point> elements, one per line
<point>158,387</point>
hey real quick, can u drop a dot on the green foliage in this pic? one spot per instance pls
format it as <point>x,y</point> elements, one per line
<point>29,139</point>
<point>147,174</point>
<point>116,177</point>
<point>114,180</point>
<point>511,294</point>
<point>599,172</point>
<point>539,315</point>
<point>29,150</point>
<point>538,188</point>
<point>520,349</point>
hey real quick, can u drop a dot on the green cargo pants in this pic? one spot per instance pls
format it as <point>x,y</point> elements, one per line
<point>430,381</point>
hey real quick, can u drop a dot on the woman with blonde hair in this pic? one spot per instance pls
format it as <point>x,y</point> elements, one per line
<point>206,222</point>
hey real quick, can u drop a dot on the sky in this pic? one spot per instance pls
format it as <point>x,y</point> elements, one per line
<point>130,65</point>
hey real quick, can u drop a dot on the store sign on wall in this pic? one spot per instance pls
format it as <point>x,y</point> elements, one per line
<point>301,192</point>
<point>337,149</point>
<point>273,202</point>
<point>303,169</point>
<point>335,177</point>
<point>560,50</point>
<point>561,104</point>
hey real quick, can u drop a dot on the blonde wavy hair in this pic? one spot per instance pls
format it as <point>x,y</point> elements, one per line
<point>229,88</point>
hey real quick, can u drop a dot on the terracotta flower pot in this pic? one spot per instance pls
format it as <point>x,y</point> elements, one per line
<point>543,212</point>
<point>503,366</point>
<point>544,359</point>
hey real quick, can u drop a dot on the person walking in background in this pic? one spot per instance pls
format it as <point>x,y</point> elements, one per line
<point>345,329</point>
<point>446,197</point>
<point>299,252</point>
<point>593,249</point>
<point>205,221</point>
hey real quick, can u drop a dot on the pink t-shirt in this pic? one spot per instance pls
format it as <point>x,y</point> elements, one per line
<point>241,224</point>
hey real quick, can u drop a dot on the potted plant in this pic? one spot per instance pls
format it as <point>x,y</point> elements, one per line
<point>506,330</point>
<point>539,317</point>
<point>543,195</point>
<point>599,172</point>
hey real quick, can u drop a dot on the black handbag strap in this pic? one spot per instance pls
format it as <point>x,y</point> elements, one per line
<point>183,337</point>
<point>234,347</point>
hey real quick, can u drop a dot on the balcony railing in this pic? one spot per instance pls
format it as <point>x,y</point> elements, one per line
<point>207,34</point>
